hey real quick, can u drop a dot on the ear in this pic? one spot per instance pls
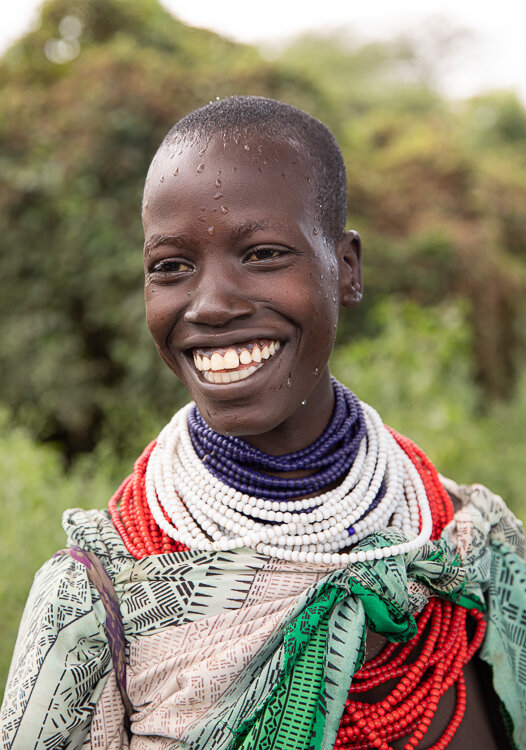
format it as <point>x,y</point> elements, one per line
<point>349,252</point>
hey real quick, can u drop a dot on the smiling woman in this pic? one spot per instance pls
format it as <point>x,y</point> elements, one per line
<point>281,571</point>
<point>232,267</point>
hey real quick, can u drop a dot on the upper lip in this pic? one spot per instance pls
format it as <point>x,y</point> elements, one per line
<point>226,340</point>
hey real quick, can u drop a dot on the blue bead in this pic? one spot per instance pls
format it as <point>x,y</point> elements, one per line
<point>240,465</point>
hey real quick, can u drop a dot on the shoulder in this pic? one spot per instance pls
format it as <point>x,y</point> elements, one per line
<point>486,511</point>
<point>62,654</point>
<point>60,657</point>
<point>483,517</point>
<point>93,531</point>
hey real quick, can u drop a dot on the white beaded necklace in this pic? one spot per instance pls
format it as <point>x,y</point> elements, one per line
<point>207,514</point>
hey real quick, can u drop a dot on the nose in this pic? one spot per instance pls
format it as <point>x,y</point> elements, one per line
<point>217,299</point>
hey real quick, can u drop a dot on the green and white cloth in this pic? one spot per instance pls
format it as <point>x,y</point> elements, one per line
<point>230,650</point>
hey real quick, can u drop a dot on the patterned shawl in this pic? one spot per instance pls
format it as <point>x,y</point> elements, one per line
<point>233,650</point>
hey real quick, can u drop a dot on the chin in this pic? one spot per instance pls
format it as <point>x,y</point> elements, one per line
<point>236,421</point>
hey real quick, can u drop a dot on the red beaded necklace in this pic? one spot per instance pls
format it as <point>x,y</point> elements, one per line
<point>441,643</point>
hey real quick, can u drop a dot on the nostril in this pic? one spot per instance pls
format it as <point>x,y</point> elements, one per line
<point>216,309</point>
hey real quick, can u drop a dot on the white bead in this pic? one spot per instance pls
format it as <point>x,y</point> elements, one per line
<point>203,508</point>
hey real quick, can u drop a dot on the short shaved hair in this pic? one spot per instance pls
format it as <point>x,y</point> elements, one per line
<point>241,116</point>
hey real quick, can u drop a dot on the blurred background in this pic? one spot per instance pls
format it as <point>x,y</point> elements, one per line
<point>429,111</point>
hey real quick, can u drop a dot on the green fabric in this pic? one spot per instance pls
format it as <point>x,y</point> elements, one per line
<point>291,695</point>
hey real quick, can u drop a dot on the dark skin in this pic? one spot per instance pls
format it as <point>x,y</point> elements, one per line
<point>241,262</point>
<point>233,255</point>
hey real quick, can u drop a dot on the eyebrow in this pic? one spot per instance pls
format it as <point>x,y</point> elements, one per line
<point>249,227</point>
<point>239,233</point>
<point>177,240</point>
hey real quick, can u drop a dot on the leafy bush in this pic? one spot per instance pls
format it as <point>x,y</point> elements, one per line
<point>416,371</point>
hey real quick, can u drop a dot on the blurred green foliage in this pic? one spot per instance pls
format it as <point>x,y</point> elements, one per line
<point>437,189</point>
<point>35,491</point>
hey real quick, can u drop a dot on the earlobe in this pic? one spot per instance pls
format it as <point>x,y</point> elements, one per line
<point>350,263</point>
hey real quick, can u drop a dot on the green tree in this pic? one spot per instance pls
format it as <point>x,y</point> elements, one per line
<point>86,99</point>
<point>437,189</point>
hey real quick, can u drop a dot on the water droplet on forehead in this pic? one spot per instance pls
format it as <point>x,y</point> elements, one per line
<point>162,178</point>
<point>315,231</point>
<point>247,147</point>
<point>218,183</point>
<point>289,380</point>
<point>200,168</point>
<point>210,230</point>
<point>176,171</point>
<point>304,402</point>
<point>224,210</point>
<point>217,196</point>
<point>316,371</point>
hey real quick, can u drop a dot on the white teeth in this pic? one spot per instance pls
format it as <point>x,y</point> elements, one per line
<point>227,377</point>
<point>217,362</point>
<point>231,359</point>
<point>223,368</point>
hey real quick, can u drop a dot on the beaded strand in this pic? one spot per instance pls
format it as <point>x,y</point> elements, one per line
<point>409,708</point>
<point>205,514</point>
<point>249,470</point>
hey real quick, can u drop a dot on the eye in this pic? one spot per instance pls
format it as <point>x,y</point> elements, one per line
<point>171,265</point>
<point>264,253</point>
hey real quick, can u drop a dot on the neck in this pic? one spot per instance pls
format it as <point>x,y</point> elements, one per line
<point>303,427</point>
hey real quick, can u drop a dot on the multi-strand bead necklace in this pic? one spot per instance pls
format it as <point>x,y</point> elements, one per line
<point>195,489</point>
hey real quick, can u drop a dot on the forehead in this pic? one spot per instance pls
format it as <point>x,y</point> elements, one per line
<point>254,172</point>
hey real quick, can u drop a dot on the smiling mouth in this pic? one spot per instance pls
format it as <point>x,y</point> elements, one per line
<point>233,363</point>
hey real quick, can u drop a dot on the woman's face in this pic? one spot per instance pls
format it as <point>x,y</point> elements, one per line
<point>242,291</point>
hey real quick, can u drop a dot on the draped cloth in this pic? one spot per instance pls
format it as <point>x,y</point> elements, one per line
<point>238,651</point>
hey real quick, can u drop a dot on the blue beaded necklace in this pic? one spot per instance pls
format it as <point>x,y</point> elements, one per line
<point>247,469</point>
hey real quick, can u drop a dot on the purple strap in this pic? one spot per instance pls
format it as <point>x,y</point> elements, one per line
<point>100,579</point>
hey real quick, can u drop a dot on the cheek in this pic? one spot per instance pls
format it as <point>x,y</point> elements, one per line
<point>160,314</point>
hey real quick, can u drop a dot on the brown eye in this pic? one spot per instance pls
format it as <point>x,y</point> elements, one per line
<point>264,253</point>
<point>171,266</point>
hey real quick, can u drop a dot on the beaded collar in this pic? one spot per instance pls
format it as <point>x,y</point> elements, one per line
<point>329,458</point>
<point>197,509</point>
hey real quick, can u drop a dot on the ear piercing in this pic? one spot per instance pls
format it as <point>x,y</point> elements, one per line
<point>356,294</point>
